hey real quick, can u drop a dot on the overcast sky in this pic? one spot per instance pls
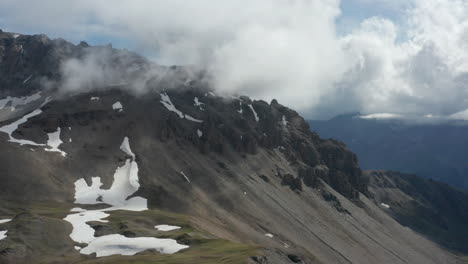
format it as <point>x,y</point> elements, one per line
<point>320,57</point>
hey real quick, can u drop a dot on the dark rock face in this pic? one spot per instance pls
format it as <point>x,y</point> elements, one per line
<point>432,208</point>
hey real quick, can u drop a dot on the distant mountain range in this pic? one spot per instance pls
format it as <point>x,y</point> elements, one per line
<point>437,151</point>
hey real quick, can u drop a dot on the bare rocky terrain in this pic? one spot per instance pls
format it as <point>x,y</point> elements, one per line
<point>247,181</point>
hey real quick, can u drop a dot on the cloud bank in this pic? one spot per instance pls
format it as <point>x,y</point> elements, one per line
<point>288,49</point>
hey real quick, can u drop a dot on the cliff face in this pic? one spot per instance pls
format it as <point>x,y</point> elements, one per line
<point>247,180</point>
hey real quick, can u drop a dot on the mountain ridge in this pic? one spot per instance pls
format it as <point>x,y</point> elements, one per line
<point>247,181</point>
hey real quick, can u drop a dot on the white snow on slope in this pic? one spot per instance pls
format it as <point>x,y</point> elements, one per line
<point>9,129</point>
<point>125,147</point>
<point>240,111</point>
<point>27,79</point>
<point>18,101</point>
<point>54,142</point>
<point>198,103</point>
<point>117,106</point>
<point>125,184</point>
<point>193,119</point>
<point>166,101</point>
<point>95,98</point>
<point>384,205</point>
<point>185,176</point>
<point>166,228</point>
<point>82,232</point>
<point>284,121</point>
<point>117,244</point>
<point>3,234</point>
<point>269,235</point>
<point>199,133</point>
<point>255,113</point>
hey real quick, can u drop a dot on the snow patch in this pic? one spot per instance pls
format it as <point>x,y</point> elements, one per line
<point>185,176</point>
<point>166,101</point>
<point>125,147</point>
<point>54,142</point>
<point>199,133</point>
<point>125,184</point>
<point>384,205</point>
<point>117,107</point>
<point>27,79</point>
<point>3,234</point>
<point>198,103</point>
<point>255,113</point>
<point>166,228</point>
<point>117,244</point>
<point>82,232</point>
<point>95,98</point>
<point>193,119</point>
<point>269,235</point>
<point>9,129</point>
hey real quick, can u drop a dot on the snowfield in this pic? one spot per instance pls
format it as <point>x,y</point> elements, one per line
<point>54,142</point>
<point>9,129</point>
<point>117,244</point>
<point>254,113</point>
<point>384,205</point>
<point>3,233</point>
<point>198,103</point>
<point>125,183</point>
<point>54,138</point>
<point>117,107</point>
<point>166,101</point>
<point>185,176</point>
<point>166,228</point>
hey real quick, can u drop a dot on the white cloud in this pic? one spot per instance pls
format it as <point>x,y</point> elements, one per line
<point>288,49</point>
